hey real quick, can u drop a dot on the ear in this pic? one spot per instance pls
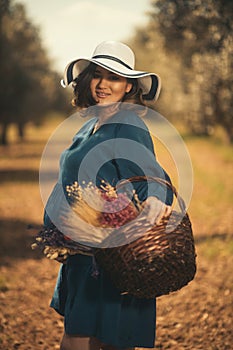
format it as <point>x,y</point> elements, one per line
<point>128,87</point>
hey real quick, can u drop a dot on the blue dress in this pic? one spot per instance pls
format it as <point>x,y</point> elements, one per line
<point>92,306</point>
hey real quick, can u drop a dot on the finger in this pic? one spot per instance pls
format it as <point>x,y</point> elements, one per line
<point>151,216</point>
<point>165,212</point>
<point>168,211</point>
<point>153,211</point>
<point>160,216</point>
<point>155,214</point>
<point>156,210</point>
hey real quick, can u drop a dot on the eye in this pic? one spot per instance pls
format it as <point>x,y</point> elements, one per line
<point>113,77</point>
<point>96,75</point>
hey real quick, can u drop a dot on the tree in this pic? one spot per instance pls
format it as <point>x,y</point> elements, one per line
<point>28,85</point>
<point>149,47</point>
<point>201,33</point>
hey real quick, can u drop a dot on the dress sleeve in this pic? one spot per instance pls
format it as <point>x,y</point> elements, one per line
<point>134,156</point>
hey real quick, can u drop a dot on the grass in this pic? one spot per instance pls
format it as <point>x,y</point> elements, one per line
<point>212,198</point>
<point>215,247</point>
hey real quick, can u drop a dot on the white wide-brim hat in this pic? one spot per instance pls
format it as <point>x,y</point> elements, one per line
<point>119,59</point>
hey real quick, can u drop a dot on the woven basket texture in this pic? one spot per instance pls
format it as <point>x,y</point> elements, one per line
<point>161,261</point>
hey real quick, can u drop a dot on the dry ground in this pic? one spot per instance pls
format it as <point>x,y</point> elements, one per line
<point>197,317</point>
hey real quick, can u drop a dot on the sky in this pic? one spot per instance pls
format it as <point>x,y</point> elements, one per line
<point>73,28</point>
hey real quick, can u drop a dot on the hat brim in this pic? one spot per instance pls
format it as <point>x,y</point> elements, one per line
<point>150,83</point>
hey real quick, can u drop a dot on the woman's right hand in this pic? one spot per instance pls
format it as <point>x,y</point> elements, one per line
<point>157,210</point>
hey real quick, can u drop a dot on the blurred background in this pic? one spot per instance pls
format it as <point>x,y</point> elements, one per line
<point>187,42</point>
<point>190,45</point>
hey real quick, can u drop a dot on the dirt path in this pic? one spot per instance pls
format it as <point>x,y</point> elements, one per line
<point>197,317</point>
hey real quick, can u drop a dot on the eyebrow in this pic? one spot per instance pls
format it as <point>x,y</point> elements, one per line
<point>99,71</point>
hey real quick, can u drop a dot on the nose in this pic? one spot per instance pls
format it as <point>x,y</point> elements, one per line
<point>102,83</point>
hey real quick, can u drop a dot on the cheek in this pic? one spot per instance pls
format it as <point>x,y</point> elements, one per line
<point>121,89</point>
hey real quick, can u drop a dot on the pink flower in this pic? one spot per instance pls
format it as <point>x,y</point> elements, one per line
<point>117,211</point>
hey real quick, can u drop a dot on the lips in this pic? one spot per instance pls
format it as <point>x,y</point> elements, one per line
<point>101,94</point>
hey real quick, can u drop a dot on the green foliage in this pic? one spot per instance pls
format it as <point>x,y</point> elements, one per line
<point>29,87</point>
<point>198,34</point>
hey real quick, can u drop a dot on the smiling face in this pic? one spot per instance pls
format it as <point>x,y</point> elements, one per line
<point>107,87</point>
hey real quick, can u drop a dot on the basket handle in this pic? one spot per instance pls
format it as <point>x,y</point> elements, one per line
<point>162,182</point>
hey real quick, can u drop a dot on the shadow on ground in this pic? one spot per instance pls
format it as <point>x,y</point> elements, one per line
<point>15,241</point>
<point>22,175</point>
<point>206,238</point>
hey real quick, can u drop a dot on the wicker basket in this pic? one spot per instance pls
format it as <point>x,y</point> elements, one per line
<point>158,262</point>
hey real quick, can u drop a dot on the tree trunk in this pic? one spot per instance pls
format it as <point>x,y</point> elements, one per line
<point>3,136</point>
<point>21,129</point>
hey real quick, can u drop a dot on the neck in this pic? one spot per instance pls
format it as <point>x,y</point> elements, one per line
<point>105,112</point>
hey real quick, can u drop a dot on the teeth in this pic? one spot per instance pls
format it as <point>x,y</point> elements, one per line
<point>101,94</point>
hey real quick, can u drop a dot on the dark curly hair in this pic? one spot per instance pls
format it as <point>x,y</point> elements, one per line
<point>82,92</point>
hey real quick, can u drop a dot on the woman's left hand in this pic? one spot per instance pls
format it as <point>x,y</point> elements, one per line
<point>157,210</point>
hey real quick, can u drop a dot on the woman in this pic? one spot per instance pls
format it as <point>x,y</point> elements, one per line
<point>96,315</point>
